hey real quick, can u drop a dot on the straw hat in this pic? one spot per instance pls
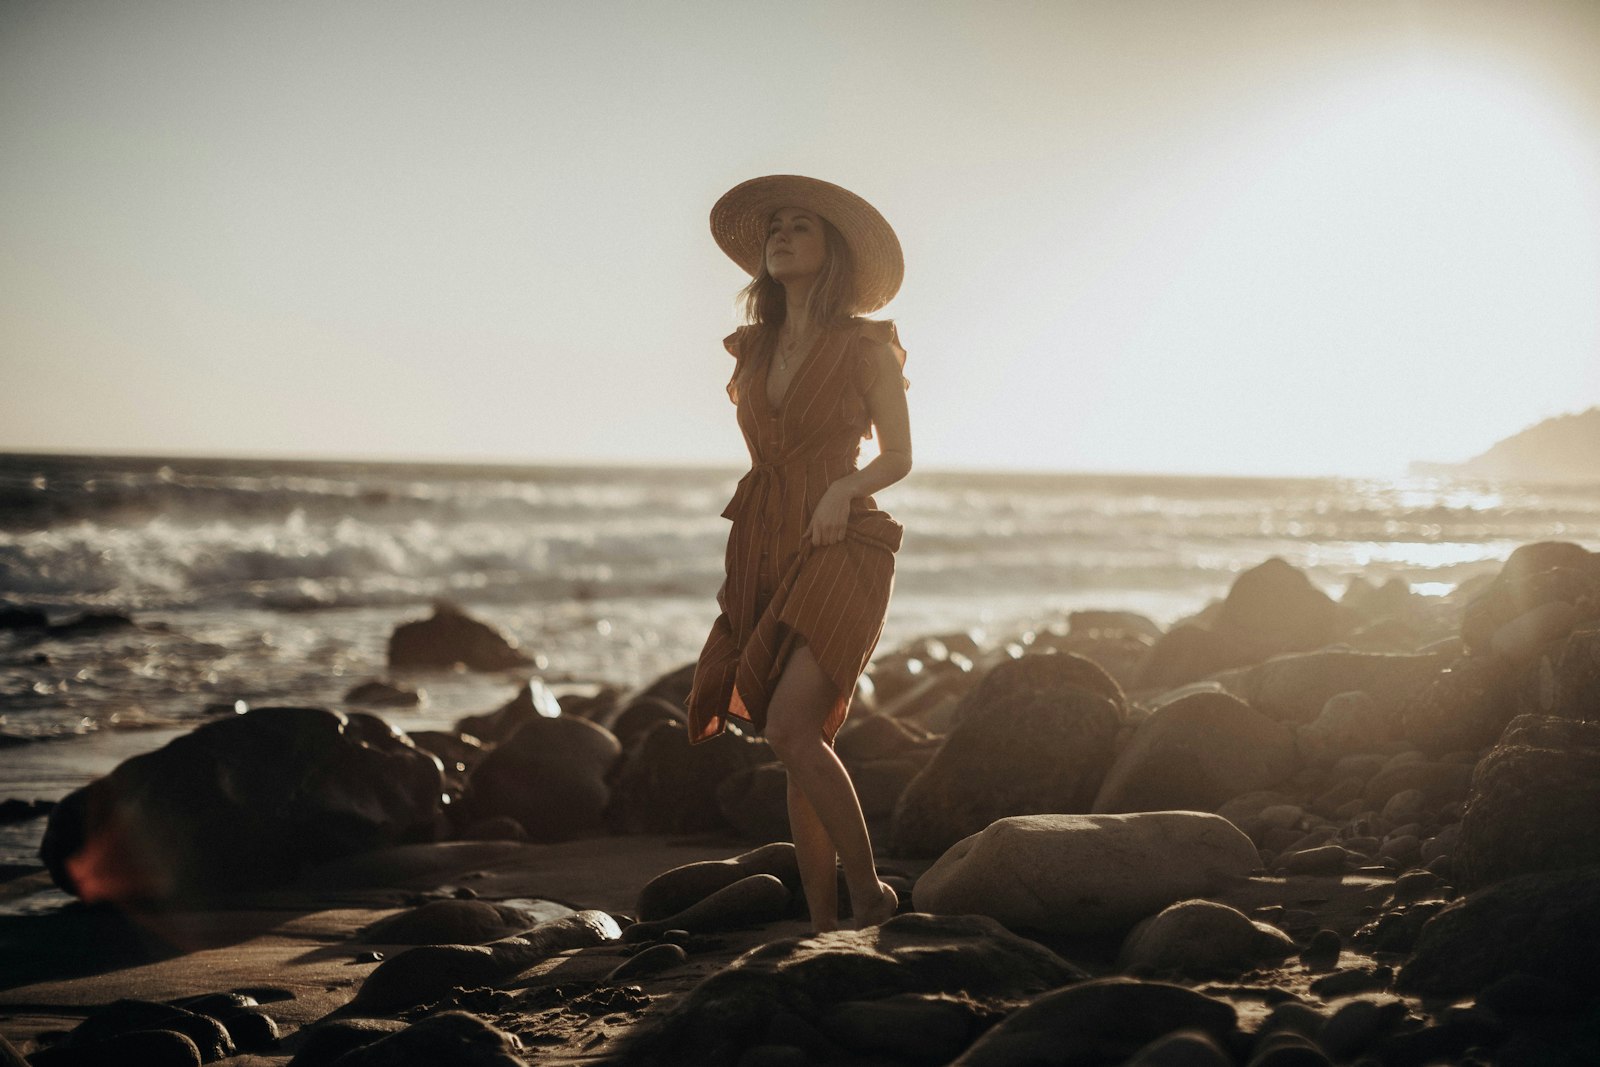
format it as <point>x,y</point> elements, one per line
<point>739,223</point>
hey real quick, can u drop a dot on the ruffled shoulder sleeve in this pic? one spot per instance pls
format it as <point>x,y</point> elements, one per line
<point>737,343</point>
<point>872,337</point>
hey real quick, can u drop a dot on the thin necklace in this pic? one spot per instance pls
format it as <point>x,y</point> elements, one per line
<point>788,348</point>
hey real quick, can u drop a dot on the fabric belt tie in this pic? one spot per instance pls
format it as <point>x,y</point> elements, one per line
<point>758,498</point>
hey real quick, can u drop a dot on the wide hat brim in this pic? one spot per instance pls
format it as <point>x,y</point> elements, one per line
<point>739,222</point>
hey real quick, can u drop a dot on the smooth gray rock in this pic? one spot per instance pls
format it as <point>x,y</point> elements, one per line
<point>1199,938</point>
<point>461,922</point>
<point>1085,874</point>
<point>1196,753</point>
<point>1026,753</point>
<point>672,891</point>
<point>752,900</point>
<point>550,776</point>
<point>424,974</point>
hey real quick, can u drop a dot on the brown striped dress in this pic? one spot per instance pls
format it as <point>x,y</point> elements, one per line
<point>782,591</point>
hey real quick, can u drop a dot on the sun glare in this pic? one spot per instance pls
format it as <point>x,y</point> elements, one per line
<point>1342,258</point>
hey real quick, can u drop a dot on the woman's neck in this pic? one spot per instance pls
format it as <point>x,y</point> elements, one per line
<point>795,317</point>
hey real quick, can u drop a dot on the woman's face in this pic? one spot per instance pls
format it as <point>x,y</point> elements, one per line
<point>795,245</point>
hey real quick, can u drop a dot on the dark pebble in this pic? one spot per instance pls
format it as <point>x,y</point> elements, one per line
<point>1415,885</point>
<point>1356,1025</point>
<point>322,1044</point>
<point>266,994</point>
<point>146,1048</point>
<point>1358,980</point>
<point>1322,953</point>
<point>215,1004</point>
<point>252,1030</point>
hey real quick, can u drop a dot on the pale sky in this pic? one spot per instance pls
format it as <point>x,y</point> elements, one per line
<point>1239,238</point>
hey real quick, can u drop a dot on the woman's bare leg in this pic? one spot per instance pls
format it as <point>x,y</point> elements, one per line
<point>819,861</point>
<point>795,716</point>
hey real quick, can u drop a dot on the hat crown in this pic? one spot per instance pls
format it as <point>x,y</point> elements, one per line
<point>740,218</point>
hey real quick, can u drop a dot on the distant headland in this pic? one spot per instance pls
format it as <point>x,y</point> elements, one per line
<point>1565,448</point>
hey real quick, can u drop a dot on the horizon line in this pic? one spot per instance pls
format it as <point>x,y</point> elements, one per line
<point>7,452</point>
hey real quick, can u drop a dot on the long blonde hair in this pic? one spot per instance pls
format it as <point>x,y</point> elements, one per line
<point>832,298</point>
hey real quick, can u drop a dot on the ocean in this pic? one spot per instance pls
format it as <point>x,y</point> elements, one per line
<point>254,582</point>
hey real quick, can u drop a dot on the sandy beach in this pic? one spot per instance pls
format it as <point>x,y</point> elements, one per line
<point>1288,828</point>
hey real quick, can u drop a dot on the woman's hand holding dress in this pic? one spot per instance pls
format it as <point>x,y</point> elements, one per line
<point>831,517</point>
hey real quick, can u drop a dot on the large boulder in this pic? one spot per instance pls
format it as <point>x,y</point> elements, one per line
<point>1191,651</point>
<point>1533,802</point>
<point>1276,604</point>
<point>1085,874</point>
<point>243,802</point>
<point>1271,609</point>
<point>1042,674</point>
<point>1296,687</point>
<point>1465,707</point>
<point>665,785</point>
<point>783,991</point>
<point>1194,754</point>
<point>452,637</point>
<point>1545,924</point>
<point>550,776</point>
<point>1535,576</point>
<point>1026,753</point>
<point>1566,680</point>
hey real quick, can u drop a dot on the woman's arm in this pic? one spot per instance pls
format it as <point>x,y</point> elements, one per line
<point>886,406</point>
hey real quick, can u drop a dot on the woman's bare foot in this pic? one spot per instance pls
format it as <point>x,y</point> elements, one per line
<point>878,912</point>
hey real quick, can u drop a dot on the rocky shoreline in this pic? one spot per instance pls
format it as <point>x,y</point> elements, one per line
<point>1287,830</point>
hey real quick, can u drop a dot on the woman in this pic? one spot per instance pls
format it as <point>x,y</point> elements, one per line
<point>810,561</point>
